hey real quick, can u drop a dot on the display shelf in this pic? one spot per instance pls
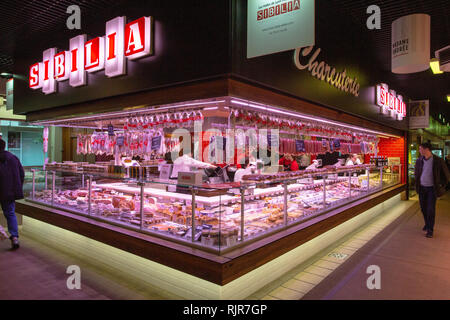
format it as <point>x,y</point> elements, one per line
<point>218,222</point>
<point>220,269</point>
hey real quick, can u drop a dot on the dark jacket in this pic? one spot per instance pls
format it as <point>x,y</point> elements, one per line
<point>441,174</point>
<point>11,177</point>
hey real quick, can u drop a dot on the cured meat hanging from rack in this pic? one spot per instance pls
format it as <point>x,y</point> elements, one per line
<point>80,149</point>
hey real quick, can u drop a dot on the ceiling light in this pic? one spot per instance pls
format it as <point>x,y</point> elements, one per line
<point>434,65</point>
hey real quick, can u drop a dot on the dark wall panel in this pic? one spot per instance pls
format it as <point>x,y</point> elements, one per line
<point>343,47</point>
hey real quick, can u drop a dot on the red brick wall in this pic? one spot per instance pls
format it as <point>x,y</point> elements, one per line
<point>393,147</point>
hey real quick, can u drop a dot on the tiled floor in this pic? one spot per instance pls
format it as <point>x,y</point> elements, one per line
<point>411,265</point>
<point>38,272</point>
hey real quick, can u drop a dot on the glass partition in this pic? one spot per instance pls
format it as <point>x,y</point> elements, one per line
<point>392,175</point>
<point>207,216</point>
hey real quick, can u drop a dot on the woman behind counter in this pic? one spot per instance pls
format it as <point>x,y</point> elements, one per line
<point>289,163</point>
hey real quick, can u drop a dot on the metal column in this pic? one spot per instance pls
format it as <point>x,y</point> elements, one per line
<point>242,213</point>
<point>285,204</point>
<point>141,208</point>
<point>89,195</point>
<point>53,187</point>
<point>33,183</point>
<point>193,215</point>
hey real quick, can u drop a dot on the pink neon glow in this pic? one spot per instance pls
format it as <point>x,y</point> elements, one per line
<point>131,112</point>
<point>271,109</point>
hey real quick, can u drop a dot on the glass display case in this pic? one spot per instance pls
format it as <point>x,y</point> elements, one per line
<point>212,217</point>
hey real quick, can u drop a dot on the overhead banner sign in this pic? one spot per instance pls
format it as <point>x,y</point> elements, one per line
<point>410,43</point>
<point>419,116</point>
<point>390,103</point>
<point>121,41</point>
<point>279,25</point>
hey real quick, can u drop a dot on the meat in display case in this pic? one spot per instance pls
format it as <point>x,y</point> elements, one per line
<point>212,217</point>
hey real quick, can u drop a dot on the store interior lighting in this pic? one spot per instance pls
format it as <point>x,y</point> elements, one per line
<point>434,65</point>
<point>271,109</point>
<point>6,75</point>
<point>67,122</point>
<point>88,121</point>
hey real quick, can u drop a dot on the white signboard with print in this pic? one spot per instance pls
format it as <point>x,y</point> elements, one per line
<point>279,25</point>
<point>410,43</point>
<point>419,114</point>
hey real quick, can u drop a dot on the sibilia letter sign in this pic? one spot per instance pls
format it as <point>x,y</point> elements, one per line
<point>390,103</point>
<point>121,41</point>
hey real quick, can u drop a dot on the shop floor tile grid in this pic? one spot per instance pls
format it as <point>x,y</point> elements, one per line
<point>298,282</point>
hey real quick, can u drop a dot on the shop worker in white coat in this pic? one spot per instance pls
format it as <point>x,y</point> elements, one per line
<point>353,160</point>
<point>186,163</point>
<point>250,169</point>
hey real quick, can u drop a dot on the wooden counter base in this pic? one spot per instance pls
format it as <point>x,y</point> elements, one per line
<point>213,268</point>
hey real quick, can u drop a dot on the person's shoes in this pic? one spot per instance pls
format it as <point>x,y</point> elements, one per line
<point>424,228</point>
<point>15,243</point>
<point>429,234</point>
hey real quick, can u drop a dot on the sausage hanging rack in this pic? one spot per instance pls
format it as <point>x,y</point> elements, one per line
<point>227,102</point>
<point>286,126</point>
<point>288,115</point>
<point>153,111</point>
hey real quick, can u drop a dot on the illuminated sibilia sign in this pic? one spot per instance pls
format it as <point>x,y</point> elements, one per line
<point>390,103</point>
<point>121,41</point>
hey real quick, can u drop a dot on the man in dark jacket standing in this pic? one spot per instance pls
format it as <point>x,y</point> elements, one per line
<point>431,175</point>
<point>11,182</point>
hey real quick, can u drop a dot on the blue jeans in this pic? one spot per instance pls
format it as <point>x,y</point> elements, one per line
<point>427,199</point>
<point>9,208</point>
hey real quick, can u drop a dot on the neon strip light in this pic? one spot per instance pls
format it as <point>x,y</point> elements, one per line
<point>144,110</point>
<point>274,110</point>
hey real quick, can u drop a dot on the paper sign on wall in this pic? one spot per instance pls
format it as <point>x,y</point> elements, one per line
<point>337,144</point>
<point>419,117</point>
<point>9,94</point>
<point>156,143</point>
<point>300,145</point>
<point>120,141</point>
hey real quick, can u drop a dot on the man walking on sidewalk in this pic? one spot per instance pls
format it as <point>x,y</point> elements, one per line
<point>11,182</point>
<point>431,175</point>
